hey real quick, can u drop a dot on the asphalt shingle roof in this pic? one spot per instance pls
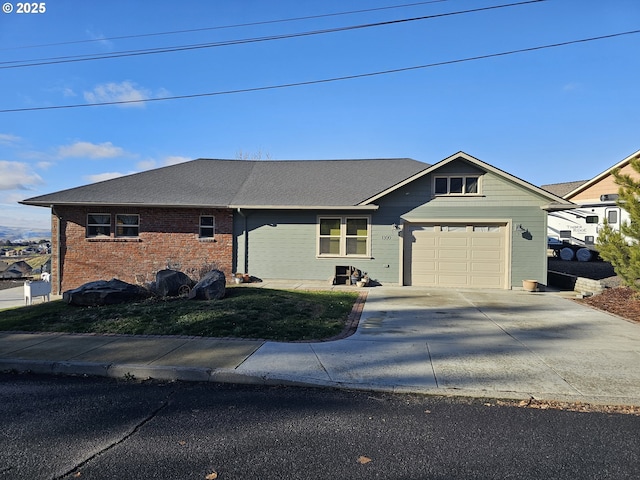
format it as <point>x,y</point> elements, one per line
<point>561,189</point>
<point>235,183</point>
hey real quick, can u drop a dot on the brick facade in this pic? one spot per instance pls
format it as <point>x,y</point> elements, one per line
<point>168,238</point>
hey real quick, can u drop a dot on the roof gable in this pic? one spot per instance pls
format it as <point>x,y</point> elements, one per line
<point>601,176</point>
<point>555,202</point>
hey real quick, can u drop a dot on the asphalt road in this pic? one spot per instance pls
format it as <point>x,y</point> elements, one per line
<point>74,427</point>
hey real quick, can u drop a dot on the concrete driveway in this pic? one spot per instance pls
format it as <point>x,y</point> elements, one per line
<point>511,344</point>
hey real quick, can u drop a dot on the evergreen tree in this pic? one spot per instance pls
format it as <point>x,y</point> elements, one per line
<point>622,248</point>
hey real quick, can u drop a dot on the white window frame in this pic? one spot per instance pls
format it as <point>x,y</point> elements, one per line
<point>98,235</point>
<point>464,178</point>
<point>211,227</point>
<point>343,236</point>
<point>136,225</point>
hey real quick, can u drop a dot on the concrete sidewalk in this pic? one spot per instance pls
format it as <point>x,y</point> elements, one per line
<point>504,344</point>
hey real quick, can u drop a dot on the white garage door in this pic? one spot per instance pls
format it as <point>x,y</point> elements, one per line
<point>456,255</point>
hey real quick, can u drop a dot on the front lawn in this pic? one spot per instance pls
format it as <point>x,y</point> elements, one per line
<point>244,313</point>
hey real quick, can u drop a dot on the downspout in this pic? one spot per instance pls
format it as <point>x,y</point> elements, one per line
<point>58,250</point>
<point>245,234</point>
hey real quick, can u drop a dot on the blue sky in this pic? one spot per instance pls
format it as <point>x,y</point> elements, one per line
<point>549,115</point>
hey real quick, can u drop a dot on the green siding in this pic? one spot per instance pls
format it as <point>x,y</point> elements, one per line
<point>282,244</point>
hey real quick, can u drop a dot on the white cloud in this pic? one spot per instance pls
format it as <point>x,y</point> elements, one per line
<point>174,160</point>
<point>17,176</point>
<point>167,161</point>
<point>90,150</point>
<point>100,38</point>
<point>118,92</point>
<point>44,165</point>
<point>101,177</point>
<point>8,139</point>
<point>21,216</point>
<point>146,165</point>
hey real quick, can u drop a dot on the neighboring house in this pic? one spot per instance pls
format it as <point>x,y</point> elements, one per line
<point>458,223</point>
<point>18,269</point>
<point>596,202</point>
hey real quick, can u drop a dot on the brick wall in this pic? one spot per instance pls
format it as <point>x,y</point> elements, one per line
<point>168,238</point>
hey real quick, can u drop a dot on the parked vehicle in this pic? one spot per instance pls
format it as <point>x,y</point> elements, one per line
<point>573,233</point>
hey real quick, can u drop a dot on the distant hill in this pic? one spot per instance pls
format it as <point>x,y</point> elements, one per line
<point>16,234</point>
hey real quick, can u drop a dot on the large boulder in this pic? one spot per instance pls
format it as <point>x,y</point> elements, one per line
<point>104,292</point>
<point>211,287</point>
<point>171,283</point>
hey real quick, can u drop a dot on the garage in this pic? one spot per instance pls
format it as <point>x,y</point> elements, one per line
<point>456,255</point>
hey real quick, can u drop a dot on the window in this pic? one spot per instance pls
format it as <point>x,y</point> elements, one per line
<point>453,228</point>
<point>457,185</point>
<point>127,225</point>
<point>591,219</point>
<point>330,234</point>
<point>207,226</point>
<point>343,236</point>
<point>486,228</point>
<point>612,216</point>
<point>98,225</point>
<point>357,236</point>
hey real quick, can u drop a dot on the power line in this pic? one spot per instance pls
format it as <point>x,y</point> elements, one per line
<point>327,80</point>
<point>222,27</point>
<point>152,51</point>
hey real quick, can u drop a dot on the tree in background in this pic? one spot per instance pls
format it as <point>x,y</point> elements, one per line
<point>622,248</point>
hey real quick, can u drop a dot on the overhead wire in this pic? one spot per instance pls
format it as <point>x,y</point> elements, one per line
<point>152,51</point>
<point>222,27</point>
<point>328,80</point>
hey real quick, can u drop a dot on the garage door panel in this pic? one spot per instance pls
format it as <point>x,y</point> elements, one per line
<point>453,241</point>
<point>425,255</point>
<point>487,268</point>
<point>486,242</point>
<point>452,266</point>
<point>453,280</point>
<point>487,282</point>
<point>458,257</point>
<point>453,254</point>
<point>425,238</point>
<point>492,255</point>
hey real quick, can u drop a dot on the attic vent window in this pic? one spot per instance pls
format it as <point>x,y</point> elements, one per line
<point>457,185</point>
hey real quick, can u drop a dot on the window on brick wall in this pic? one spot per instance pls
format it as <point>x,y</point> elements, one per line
<point>127,225</point>
<point>207,226</point>
<point>98,225</point>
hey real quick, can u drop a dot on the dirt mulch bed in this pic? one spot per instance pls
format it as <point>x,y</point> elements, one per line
<point>621,301</point>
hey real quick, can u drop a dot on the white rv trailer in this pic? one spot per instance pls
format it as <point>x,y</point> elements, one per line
<point>573,233</point>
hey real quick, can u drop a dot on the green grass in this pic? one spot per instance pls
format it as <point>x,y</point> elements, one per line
<point>244,313</point>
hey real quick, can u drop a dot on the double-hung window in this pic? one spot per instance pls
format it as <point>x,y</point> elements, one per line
<point>344,236</point>
<point>457,185</point>
<point>207,226</point>
<point>98,225</point>
<point>127,225</point>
